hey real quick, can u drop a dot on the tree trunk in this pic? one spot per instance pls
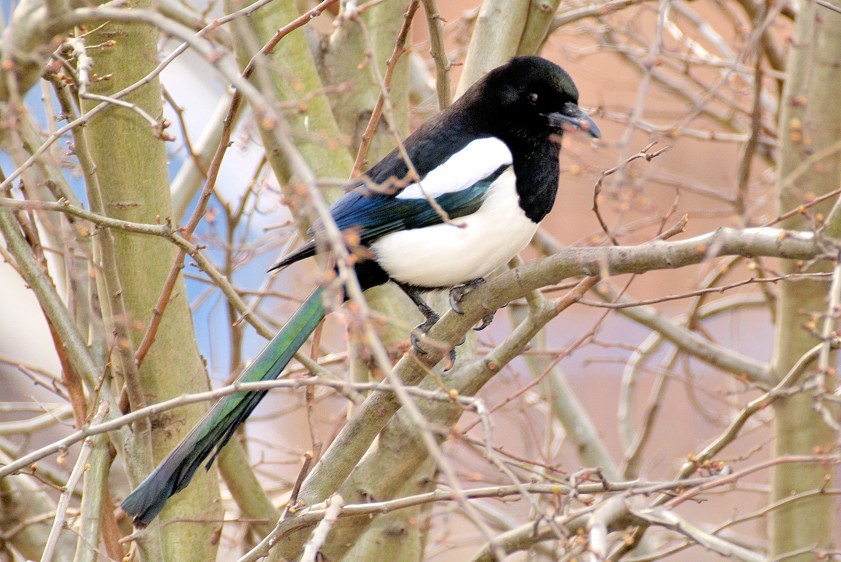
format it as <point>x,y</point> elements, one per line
<point>130,180</point>
<point>810,120</point>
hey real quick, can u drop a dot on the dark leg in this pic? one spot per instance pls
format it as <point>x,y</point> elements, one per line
<point>431,318</point>
<point>424,308</point>
<point>459,292</point>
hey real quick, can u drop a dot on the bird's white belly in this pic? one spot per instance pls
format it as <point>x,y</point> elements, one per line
<point>445,255</point>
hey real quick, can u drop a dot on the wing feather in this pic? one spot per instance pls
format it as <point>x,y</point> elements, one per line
<point>458,185</point>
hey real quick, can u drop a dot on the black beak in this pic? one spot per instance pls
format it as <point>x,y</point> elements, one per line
<point>572,118</point>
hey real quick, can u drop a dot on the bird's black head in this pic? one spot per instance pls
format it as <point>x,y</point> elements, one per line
<point>531,96</point>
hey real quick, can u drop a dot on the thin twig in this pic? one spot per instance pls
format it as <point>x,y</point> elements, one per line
<point>720,289</point>
<point>438,51</point>
<point>600,182</point>
<point>668,519</point>
<point>213,173</point>
<point>340,386</point>
<point>383,101</point>
<point>319,535</point>
<point>64,501</point>
<point>302,474</point>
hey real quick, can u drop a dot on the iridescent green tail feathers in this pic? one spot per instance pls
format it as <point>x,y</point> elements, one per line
<point>204,442</point>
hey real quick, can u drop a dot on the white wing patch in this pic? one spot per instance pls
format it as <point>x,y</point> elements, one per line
<point>473,163</point>
<point>444,255</point>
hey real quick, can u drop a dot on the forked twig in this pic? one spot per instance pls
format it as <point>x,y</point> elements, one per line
<point>598,187</point>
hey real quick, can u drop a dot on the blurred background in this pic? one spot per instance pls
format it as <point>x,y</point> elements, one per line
<point>701,79</point>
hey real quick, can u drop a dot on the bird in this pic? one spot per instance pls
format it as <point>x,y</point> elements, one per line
<point>489,162</point>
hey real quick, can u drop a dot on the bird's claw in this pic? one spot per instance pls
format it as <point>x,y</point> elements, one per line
<point>415,341</point>
<point>420,331</point>
<point>458,293</point>
<point>451,360</point>
<point>486,321</point>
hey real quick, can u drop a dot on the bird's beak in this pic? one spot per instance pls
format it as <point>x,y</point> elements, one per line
<point>572,118</point>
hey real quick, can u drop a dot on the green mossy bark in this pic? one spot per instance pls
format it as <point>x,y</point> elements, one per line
<point>401,534</point>
<point>344,59</point>
<point>499,31</point>
<point>810,120</point>
<point>287,75</point>
<point>538,20</point>
<point>131,168</point>
<point>326,128</point>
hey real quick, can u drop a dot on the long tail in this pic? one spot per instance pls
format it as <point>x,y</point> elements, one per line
<point>219,424</point>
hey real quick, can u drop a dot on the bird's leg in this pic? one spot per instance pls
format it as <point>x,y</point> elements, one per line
<point>428,312</point>
<point>431,318</point>
<point>458,293</point>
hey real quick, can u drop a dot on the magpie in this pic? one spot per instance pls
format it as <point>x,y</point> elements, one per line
<point>489,163</point>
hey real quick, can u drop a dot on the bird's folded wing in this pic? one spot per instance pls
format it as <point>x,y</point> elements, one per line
<point>457,183</point>
<point>378,215</point>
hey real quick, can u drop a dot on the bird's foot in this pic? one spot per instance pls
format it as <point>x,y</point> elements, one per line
<point>486,321</point>
<point>458,293</point>
<point>421,331</point>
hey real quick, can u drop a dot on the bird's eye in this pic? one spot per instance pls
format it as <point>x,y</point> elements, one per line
<point>532,97</point>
